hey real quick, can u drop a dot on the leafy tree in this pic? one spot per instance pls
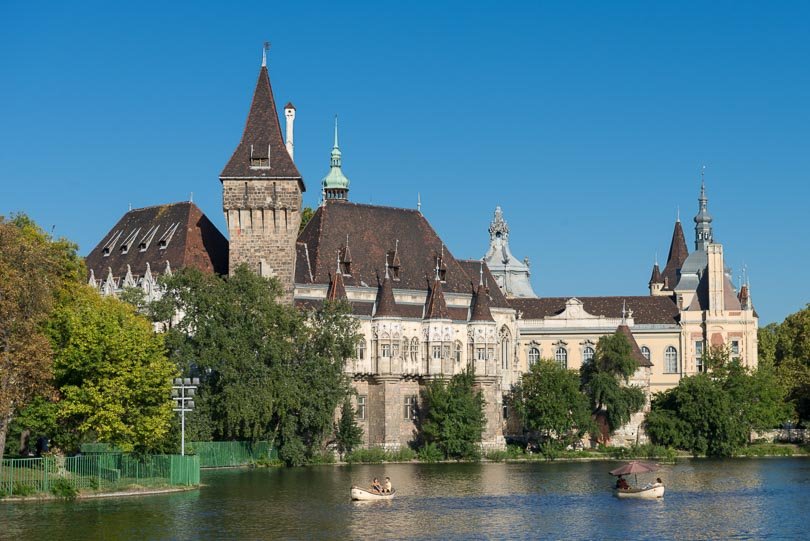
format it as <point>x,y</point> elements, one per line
<point>453,416</point>
<point>605,378</point>
<point>766,344</point>
<point>267,370</point>
<point>111,371</point>
<point>348,434</point>
<point>35,270</point>
<point>306,216</point>
<point>549,402</point>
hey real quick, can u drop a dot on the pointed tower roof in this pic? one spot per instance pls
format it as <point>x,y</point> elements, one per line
<point>262,153</point>
<point>480,309</point>
<point>436,307</point>
<point>656,275</point>
<point>636,351</point>
<point>678,252</point>
<point>335,185</point>
<point>703,220</point>
<point>386,305</point>
<point>336,291</point>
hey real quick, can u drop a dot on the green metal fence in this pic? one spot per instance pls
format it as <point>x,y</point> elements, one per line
<point>103,471</point>
<point>221,454</point>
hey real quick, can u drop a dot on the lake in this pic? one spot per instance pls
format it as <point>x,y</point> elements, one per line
<point>705,499</point>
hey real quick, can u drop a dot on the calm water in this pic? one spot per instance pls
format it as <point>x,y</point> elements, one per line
<point>731,499</point>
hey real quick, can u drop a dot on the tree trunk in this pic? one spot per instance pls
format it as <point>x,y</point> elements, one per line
<point>3,430</point>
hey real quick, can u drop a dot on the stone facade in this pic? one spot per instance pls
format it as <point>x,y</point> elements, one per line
<point>263,219</point>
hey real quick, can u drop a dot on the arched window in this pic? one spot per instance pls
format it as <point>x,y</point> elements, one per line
<point>646,352</point>
<point>534,356</point>
<point>671,360</point>
<point>587,354</point>
<point>457,351</point>
<point>361,350</point>
<point>414,349</point>
<point>505,346</point>
<point>561,356</point>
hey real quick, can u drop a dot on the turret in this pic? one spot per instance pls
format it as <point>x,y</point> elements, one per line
<point>656,283</point>
<point>335,185</point>
<point>703,221</point>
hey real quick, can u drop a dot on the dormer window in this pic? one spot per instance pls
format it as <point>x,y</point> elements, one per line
<point>164,240</point>
<point>260,162</point>
<point>105,252</point>
<point>346,268</point>
<point>111,243</point>
<point>129,241</point>
<point>147,239</point>
<point>393,265</point>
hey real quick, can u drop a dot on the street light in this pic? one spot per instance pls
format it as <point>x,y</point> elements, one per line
<point>183,390</point>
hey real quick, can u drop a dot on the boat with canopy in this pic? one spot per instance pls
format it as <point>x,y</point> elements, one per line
<point>650,491</point>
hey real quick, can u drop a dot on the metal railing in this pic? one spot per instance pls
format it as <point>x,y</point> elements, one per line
<point>223,454</point>
<point>105,472</point>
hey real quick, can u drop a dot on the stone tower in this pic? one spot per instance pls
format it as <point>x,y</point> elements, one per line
<point>261,193</point>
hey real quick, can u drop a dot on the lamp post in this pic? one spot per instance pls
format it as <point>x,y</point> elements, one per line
<point>183,390</point>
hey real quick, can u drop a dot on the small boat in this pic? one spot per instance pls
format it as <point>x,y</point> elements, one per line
<point>652,492</point>
<point>363,495</point>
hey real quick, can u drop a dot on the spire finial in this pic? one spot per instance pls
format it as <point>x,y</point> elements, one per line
<point>265,48</point>
<point>386,267</point>
<point>678,213</point>
<point>624,312</point>
<point>337,269</point>
<point>191,197</point>
<point>418,202</point>
<point>481,273</point>
<point>437,268</point>
<point>336,131</point>
<point>656,258</point>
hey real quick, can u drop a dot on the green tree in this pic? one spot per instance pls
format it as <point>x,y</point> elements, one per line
<point>267,369</point>
<point>549,402</point>
<point>111,371</point>
<point>35,271</point>
<point>453,416</point>
<point>348,435</point>
<point>306,216</point>
<point>605,381</point>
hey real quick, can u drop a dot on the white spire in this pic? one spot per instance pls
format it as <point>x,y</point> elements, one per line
<point>265,48</point>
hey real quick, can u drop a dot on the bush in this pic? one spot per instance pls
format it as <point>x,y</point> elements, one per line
<point>373,455</point>
<point>649,451</point>
<point>497,456</point>
<point>767,449</point>
<point>64,489</point>
<point>323,457</point>
<point>22,489</point>
<point>403,454</point>
<point>430,453</point>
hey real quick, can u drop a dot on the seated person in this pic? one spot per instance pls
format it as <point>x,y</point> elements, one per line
<point>387,485</point>
<point>621,483</point>
<point>376,487</point>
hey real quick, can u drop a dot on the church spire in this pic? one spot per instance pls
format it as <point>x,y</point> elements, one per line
<point>703,220</point>
<point>337,290</point>
<point>335,185</point>
<point>678,252</point>
<point>480,309</point>
<point>436,307</point>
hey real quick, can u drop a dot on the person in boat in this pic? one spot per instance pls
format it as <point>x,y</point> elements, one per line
<point>387,486</point>
<point>376,487</point>
<point>658,481</point>
<point>621,483</point>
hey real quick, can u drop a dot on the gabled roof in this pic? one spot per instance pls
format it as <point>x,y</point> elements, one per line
<point>177,233</point>
<point>373,231</point>
<point>636,351</point>
<point>678,253</point>
<point>336,291</point>
<point>647,310</point>
<point>262,139</point>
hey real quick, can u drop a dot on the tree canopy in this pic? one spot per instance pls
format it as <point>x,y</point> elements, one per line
<point>605,378</point>
<point>452,416</point>
<point>786,346</point>
<point>550,404</point>
<point>267,370</point>
<point>35,270</point>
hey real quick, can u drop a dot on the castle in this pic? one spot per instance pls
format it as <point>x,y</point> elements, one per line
<point>423,313</point>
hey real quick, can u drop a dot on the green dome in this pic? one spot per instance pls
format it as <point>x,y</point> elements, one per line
<point>335,184</point>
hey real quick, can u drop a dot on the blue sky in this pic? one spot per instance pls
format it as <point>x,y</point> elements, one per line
<point>588,122</point>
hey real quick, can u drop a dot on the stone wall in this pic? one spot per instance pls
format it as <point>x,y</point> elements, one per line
<point>263,217</point>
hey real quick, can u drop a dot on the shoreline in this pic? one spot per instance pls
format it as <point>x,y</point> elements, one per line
<point>44,497</point>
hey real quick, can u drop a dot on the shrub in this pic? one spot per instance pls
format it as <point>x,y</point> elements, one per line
<point>323,457</point>
<point>22,489</point>
<point>430,453</point>
<point>373,455</point>
<point>64,489</point>
<point>403,454</point>
<point>497,456</point>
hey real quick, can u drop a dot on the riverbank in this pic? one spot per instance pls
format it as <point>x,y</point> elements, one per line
<point>128,493</point>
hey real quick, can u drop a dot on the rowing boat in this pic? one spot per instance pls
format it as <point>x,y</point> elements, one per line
<point>363,495</point>
<point>643,493</point>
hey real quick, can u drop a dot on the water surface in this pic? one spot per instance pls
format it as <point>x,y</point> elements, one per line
<point>706,499</point>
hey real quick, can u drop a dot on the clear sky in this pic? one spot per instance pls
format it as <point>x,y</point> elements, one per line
<point>588,122</point>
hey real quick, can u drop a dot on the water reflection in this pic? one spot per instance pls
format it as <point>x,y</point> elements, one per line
<point>705,499</point>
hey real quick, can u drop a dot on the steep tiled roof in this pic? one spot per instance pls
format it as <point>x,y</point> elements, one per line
<point>646,309</point>
<point>386,305</point>
<point>373,231</point>
<point>637,354</point>
<point>678,253</point>
<point>358,308</point>
<point>436,307</point>
<point>262,135</point>
<point>656,275</point>
<point>701,299</point>
<point>480,308</point>
<point>177,233</point>
<point>472,268</point>
<point>336,291</point>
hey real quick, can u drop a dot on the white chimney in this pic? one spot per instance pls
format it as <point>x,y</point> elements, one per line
<point>289,113</point>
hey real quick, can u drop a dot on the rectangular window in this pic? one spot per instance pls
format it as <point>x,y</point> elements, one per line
<point>361,407</point>
<point>409,411</point>
<point>386,350</point>
<point>490,354</point>
<point>505,411</point>
<point>446,351</point>
<point>735,349</point>
<point>361,350</point>
<point>395,350</point>
<point>481,354</point>
<point>699,356</point>
<point>437,352</point>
